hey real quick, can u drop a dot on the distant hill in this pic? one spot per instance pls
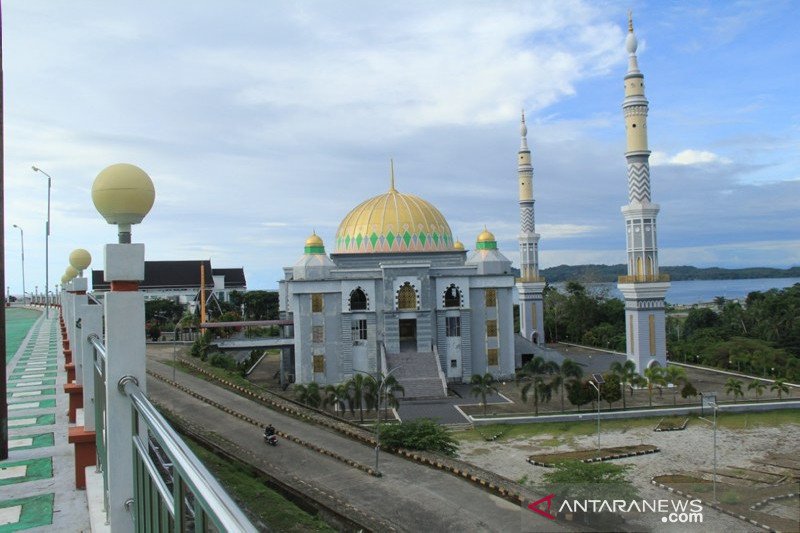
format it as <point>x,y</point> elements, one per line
<point>605,273</point>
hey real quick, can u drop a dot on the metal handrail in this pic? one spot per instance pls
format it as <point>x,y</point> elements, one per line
<point>98,345</point>
<point>202,483</point>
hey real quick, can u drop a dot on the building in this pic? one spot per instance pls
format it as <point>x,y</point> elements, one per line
<point>643,288</point>
<point>399,292</point>
<point>179,281</point>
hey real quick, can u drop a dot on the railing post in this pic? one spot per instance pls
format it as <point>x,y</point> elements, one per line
<point>125,352</point>
<point>73,387</point>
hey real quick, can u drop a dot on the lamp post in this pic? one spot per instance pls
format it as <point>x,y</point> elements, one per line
<point>599,380</point>
<point>381,388</point>
<point>710,399</point>
<point>46,241</point>
<point>22,244</point>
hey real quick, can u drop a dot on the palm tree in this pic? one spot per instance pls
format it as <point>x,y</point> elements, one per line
<point>358,386</point>
<point>482,386</point>
<point>535,369</point>
<point>758,386</point>
<point>675,375</point>
<point>390,389</point>
<point>655,378</point>
<point>627,374</point>
<point>338,395</point>
<point>308,394</point>
<point>734,386</point>
<point>780,387</point>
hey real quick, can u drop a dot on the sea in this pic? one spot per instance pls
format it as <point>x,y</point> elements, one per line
<point>703,291</point>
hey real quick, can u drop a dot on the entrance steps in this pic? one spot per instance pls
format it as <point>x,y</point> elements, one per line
<point>418,374</point>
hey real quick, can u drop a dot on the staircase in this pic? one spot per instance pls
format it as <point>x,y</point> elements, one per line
<point>418,374</point>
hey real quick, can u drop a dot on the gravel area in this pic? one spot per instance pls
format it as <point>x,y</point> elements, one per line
<point>687,451</point>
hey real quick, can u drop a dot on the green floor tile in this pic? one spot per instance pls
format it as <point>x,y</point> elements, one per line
<point>40,420</point>
<point>37,441</point>
<point>42,404</point>
<point>41,468</point>
<point>37,511</point>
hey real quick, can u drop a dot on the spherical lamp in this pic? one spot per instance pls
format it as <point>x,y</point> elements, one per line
<point>71,272</point>
<point>80,259</point>
<point>123,194</point>
<point>64,279</point>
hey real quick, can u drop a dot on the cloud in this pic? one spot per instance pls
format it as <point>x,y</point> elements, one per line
<point>687,158</point>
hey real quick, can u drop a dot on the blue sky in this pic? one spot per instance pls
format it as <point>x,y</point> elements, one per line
<point>262,121</point>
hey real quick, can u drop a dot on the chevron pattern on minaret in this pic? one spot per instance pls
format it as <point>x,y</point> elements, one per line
<point>527,224</point>
<point>639,182</point>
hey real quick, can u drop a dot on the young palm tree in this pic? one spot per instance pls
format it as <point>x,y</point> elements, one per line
<point>391,387</point>
<point>780,387</point>
<point>357,386</point>
<point>627,374</point>
<point>535,369</point>
<point>677,376</point>
<point>758,386</point>
<point>483,386</point>
<point>733,386</point>
<point>308,394</point>
<point>655,378</point>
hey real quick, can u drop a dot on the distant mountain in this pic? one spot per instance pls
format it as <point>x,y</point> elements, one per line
<point>606,273</point>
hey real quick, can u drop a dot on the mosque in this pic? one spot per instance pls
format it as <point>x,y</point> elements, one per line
<point>399,294</point>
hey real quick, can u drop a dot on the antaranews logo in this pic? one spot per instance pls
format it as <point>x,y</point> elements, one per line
<point>672,511</point>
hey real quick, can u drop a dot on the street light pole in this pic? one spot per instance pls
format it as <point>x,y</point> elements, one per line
<point>599,380</point>
<point>22,243</point>
<point>46,244</point>
<point>381,387</point>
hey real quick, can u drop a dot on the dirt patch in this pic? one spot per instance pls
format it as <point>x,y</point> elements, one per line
<point>603,454</point>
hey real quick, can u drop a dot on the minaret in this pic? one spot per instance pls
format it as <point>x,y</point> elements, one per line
<point>643,288</point>
<point>530,285</point>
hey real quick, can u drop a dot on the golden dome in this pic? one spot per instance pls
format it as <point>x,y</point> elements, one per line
<point>458,245</point>
<point>393,222</point>
<point>314,245</point>
<point>486,236</point>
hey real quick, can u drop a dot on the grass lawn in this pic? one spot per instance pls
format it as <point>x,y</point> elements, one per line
<point>272,508</point>
<point>589,427</point>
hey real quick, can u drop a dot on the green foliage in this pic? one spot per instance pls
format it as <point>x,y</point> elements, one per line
<point>579,392</point>
<point>162,311</point>
<point>260,305</point>
<point>611,390</point>
<point>421,434</point>
<point>607,273</point>
<point>584,317</point>
<point>574,480</point>
<point>308,394</point>
<point>758,386</point>
<point>222,360</point>
<point>688,390</point>
<point>483,386</point>
<point>533,374</point>
<point>780,387</point>
<point>200,346</point>
<point>734,386</point>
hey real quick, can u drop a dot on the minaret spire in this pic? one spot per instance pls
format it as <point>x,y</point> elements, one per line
<point>391,175</point>
<point>643,288</point>
<point>530,285</point>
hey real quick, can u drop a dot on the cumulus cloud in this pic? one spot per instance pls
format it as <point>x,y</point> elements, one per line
<point>687,158</point>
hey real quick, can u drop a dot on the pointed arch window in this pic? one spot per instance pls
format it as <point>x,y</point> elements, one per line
<point>407,297</point>
<point>452,296</point>
<point>358,300</point>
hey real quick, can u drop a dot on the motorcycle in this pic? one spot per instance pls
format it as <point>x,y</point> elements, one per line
<point>270,438</point>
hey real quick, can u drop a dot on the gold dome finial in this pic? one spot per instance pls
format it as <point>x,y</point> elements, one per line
<point>630,21</point>
<point>391,175</point>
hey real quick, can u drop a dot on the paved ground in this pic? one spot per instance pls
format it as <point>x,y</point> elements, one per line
<point>409,496</point>
<point>37,483</point>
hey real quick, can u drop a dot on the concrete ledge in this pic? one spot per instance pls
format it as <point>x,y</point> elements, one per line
<point>94,498</point>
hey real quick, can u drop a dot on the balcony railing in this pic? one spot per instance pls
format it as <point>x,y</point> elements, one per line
<point>531,279</point>
<point>646,278</point>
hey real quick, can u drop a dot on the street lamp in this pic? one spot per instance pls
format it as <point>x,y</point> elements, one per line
<point>22,243</point>
<point>599,380</point>
<point>46,242</point>
<point>381,387</point>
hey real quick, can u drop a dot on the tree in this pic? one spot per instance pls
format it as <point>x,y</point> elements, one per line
<point>568,369</point>
<point>260,305</point>
<point>420,434</point>
<point>391,388</point>
<point>675,375</point>
<point>534,371</point>
<point>655,378</point>
<point>688,391</point>
<point>626,372</point>
<point>733,386</point>
<point>358,387</point>
<point>338,395</point>
<point>308,394</point>
<point>483,386</point>
<point>575,480</point>
<point>579,392</point>
<point>610,391</point>
<point>758,386</point>
<point>163,310</point>
<point>780,387</point>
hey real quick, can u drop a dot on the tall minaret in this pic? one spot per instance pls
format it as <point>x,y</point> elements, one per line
<point>643,288</point>
<point>530,285</point>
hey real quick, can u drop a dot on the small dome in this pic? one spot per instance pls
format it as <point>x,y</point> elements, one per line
<point>314,245</point>
<point>486,236</point>
<point>458,245</point>
<point>80,259</point>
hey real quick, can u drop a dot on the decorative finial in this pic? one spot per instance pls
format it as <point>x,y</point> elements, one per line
<point>391,175</point>
<point>630,21</point>
<point>523,129</point>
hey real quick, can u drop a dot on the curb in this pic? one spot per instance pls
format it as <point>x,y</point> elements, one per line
<point>599,459</point>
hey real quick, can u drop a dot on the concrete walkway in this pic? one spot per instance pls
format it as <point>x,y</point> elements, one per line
<point>37,481</point>
<point>409,496</point>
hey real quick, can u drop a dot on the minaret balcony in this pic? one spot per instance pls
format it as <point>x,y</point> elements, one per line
<point>644,278</point>
<point>530,279</point>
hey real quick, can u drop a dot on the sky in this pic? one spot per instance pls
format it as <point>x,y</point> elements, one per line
<point>260,122</point>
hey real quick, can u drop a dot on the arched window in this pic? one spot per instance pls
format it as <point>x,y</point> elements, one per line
<point>452,297</point>
<point>407,297</point>
<point>358,300</point>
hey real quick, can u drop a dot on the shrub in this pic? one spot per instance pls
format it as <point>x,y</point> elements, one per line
<point>222,360</point>
<point>422,434</point>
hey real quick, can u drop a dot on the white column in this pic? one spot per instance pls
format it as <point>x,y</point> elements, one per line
<point>125,348</point>
<point>91,317</point>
